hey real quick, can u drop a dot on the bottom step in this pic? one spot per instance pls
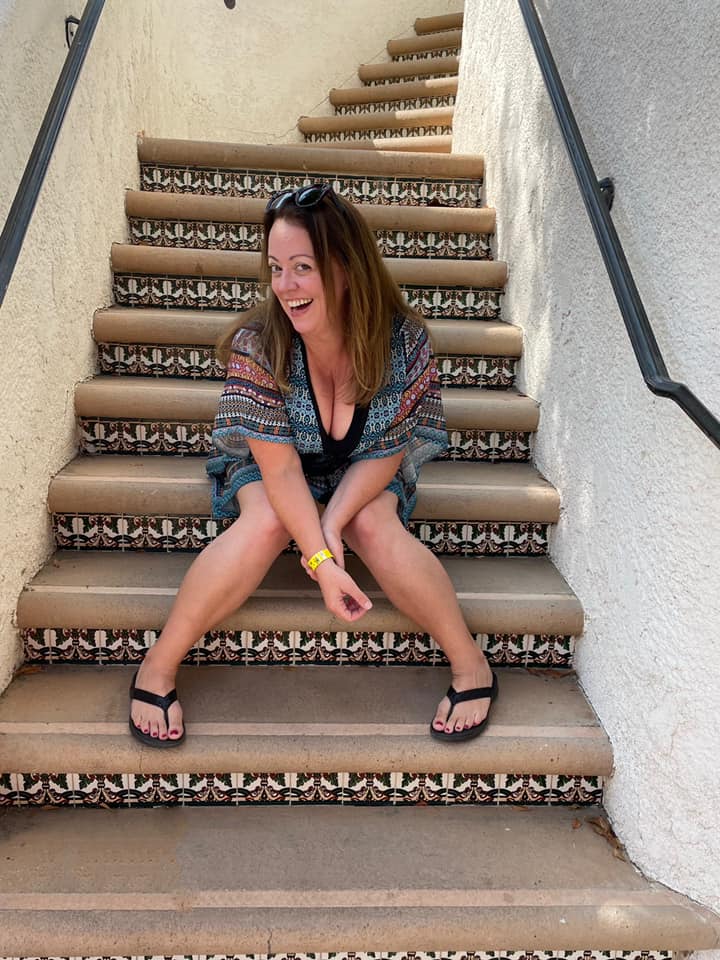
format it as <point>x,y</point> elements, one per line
<point>269,879</point>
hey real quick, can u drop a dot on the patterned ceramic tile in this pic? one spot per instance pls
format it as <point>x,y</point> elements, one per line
<point>408,955</point>
<point>65,645</point>
<point>476,788</point>
<point>320,787</point>
<point>424,788</point>
<point>430,130</point>
<point>524,788</point>
<point>102,790</point>
<point>227,293</point>
<point>577,789</point>
<point>449,51</point>
<point>437,245</point>
<point>192,438</point>
<point>8,790</point>
<point>266,787</point>
<point>152,789</point>
<point>263,183</point>
<point>417,103</point>
<point>369,788</point>
<point>410,76</point>
<point>47,789</point>
<point>549,651</point>
<point>170,360</point>
<point>173,533</point>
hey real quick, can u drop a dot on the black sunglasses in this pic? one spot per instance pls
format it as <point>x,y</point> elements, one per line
<point>304,197</point>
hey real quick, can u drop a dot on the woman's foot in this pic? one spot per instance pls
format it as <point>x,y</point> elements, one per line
<point>149,719</point>
<point>469,713</point>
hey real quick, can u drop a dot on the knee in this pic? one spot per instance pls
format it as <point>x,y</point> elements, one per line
<point>265,523</point>
<point>369,528</point>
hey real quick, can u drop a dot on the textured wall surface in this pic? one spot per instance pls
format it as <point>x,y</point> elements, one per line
<point>640,485</point>
<point>171,68</point>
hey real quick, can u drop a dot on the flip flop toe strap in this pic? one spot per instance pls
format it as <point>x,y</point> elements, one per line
<point>155,700</point>
<point>477,693</point>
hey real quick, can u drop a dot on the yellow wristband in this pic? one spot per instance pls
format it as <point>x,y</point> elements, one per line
<point>317,558</point>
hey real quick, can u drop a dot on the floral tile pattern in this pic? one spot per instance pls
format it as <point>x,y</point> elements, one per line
<point>293,647</point>
<point>344,787</point>
<point>192,438</point>
<point>196,362</point>
<point>263,183</point>
<point>223,293</point>
<point>415,76</point>
<point>216,235</point>
<point>76,531</point>
<point>453,51</point>
<point>440,129</point>
<point>409,955</point>
<point>416,103</point>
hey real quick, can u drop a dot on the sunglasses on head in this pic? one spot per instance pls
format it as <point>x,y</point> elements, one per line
<point>304,197</point>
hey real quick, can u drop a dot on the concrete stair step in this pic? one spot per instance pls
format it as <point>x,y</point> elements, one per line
<point>202,327</point>
<point>389,72</point>
<point>194,400</point>
<point>420,121</point>
<point>425,44</point>
<point>446,490</point>
<point>133,591</point>
<point>432,91</point>
<point>228,223</point>
<point>253,170</point>
<point>210,881</point>
<point>163,503</point>
<point>307,719</point>
<point>180,277</point>
<point>409,271</point>
<point>448,21</point>
<point>417,143</point>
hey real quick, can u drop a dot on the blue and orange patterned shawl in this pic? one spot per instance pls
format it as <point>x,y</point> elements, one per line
<point>406,414</point>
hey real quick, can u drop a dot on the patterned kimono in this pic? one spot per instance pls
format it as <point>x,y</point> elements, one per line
<point>406,414</point>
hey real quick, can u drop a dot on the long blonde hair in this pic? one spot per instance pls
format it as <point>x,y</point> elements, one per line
<point>338,232</point>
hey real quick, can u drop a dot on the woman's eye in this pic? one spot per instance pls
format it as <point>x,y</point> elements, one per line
<point>302,267</point>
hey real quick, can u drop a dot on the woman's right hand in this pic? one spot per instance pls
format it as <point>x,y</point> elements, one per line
<point>341,594</point>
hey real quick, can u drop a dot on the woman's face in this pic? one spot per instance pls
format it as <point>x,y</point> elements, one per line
<point>296,280</point>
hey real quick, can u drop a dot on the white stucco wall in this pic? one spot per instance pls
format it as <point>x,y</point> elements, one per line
<point>171,68</point>
<point>640,485</point>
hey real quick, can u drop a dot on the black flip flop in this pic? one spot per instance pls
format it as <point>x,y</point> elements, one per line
<point>478,693</point>
<point>155,700</point>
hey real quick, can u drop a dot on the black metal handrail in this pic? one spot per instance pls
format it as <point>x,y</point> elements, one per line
<point>21,211</point>
<point>642,338</point>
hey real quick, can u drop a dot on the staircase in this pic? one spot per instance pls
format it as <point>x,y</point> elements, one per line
<point>357,831</point>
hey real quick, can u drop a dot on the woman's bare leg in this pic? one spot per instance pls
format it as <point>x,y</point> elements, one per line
<point>219,581</point>
<point>416,583</point>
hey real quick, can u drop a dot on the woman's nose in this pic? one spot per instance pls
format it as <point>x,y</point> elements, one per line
<point>285,280</point>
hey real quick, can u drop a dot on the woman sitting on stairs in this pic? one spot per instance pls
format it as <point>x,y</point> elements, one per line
<point>331,399</point>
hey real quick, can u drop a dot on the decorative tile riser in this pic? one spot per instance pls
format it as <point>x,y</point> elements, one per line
<point>426,54</point>
<point>263,183</point>
<point>169,360</point>
<point>238,789</point>
<point>190,438</point>
<point>231,293</point>
<point>206,235</point>
<point>417,103</point>
<point>412,955</point>
<point>381,82</point>
<point>430,131</point>
<point>169,533</point>
<point>293,648</point>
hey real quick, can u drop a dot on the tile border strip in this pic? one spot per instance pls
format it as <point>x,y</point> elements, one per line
<point>250,182</point>
<point>292,648</point>
<point>288,788</point>
<point>405,955</point>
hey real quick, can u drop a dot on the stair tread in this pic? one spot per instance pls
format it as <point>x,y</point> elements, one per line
<point>122,590</point>
<point>189,261</point>
<point>438,40</point>
<point>448,21</point>
<point>390,119</point>
<point>402,90</point>
<point>430,143</point>
<point>192,881</point>
<point>448,490</point>
<point>203,327</point>
<point>308,158</point>
<point>188,206</point>
<point>398,69</point>
<point>300,718</point>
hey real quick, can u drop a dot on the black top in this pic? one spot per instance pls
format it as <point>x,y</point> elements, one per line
<point>336,453</point>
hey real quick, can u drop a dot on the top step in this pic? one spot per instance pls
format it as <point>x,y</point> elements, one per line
<point>407,47</point>
<point>450,21</point>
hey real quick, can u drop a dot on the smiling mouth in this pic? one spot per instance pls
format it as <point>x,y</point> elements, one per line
<point>297,307</point>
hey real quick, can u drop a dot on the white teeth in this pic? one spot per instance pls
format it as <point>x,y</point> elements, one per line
<point>298,303</point>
